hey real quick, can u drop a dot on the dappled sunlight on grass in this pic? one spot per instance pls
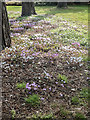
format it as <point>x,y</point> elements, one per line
<point>75,13</point>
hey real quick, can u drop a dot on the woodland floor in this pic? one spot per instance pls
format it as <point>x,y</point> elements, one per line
<point>49,51</point>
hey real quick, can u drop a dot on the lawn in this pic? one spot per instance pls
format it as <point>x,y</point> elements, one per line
<point>74,13</point>
<point>45,72</point>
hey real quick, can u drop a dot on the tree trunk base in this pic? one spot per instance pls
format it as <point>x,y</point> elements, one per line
<point>28,9</point>
<point>6,40</point>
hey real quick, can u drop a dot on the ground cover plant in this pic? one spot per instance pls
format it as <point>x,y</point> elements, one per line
<point>45,71</point>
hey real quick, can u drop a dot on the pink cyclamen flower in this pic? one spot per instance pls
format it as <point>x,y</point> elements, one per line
<point>76,43</point>
<point>33,54</point>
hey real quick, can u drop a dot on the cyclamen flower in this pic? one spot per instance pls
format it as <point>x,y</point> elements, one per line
<point>76,43</point>
<point>31,49</point>
<point>28,25</point>
<point>35,54</point>
<point>18,29</point>
<point>61,94</point>
<point>56,82</point>
<point>44,89</point>
<point>54,55</point>
<point>62,85</point>
<point>33,83</point>
<point>53,90</point>
<point>50,88</point>
<point>33,86</point>
<point>42,98</point>
<point>38,85</point>
<point>88,78</point>
<point>47,74</point>
<point>28,87</point>
<point>64,82</point>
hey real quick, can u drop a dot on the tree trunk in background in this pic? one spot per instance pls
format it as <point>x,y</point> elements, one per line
<point>6,40</point>
<point>62,4</point>
<point>28,8</point>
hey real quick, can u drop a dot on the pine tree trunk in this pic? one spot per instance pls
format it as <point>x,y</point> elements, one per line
<point>28,8</point>
<point>6,40</point>
<point>62,4</point>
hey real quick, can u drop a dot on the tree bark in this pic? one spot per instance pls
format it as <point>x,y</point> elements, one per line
<point>28,8</point>
<point>6,40</point>
<point>62,4</point>
<point>0,26</point>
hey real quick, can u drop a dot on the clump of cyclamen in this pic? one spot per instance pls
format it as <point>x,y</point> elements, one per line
<point>28,25</point>
<point>18,29</point>
<point>32,86</point>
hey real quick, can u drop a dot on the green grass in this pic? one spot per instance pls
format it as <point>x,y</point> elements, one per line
<point>21,85</point>
<point>63,111</point>
<point>75,100</point>
<point>48,116</point>
<point>33,100</point>
<point>73,15</point>
<point>80,116</point>
<point>13,113</point>
<point>62,78</point>
<point>41,116</point>
<point>85,58</point>
<point>14,8</point>
<point>77,14</point>
<point>84,93</point>
<point>81,98</point>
